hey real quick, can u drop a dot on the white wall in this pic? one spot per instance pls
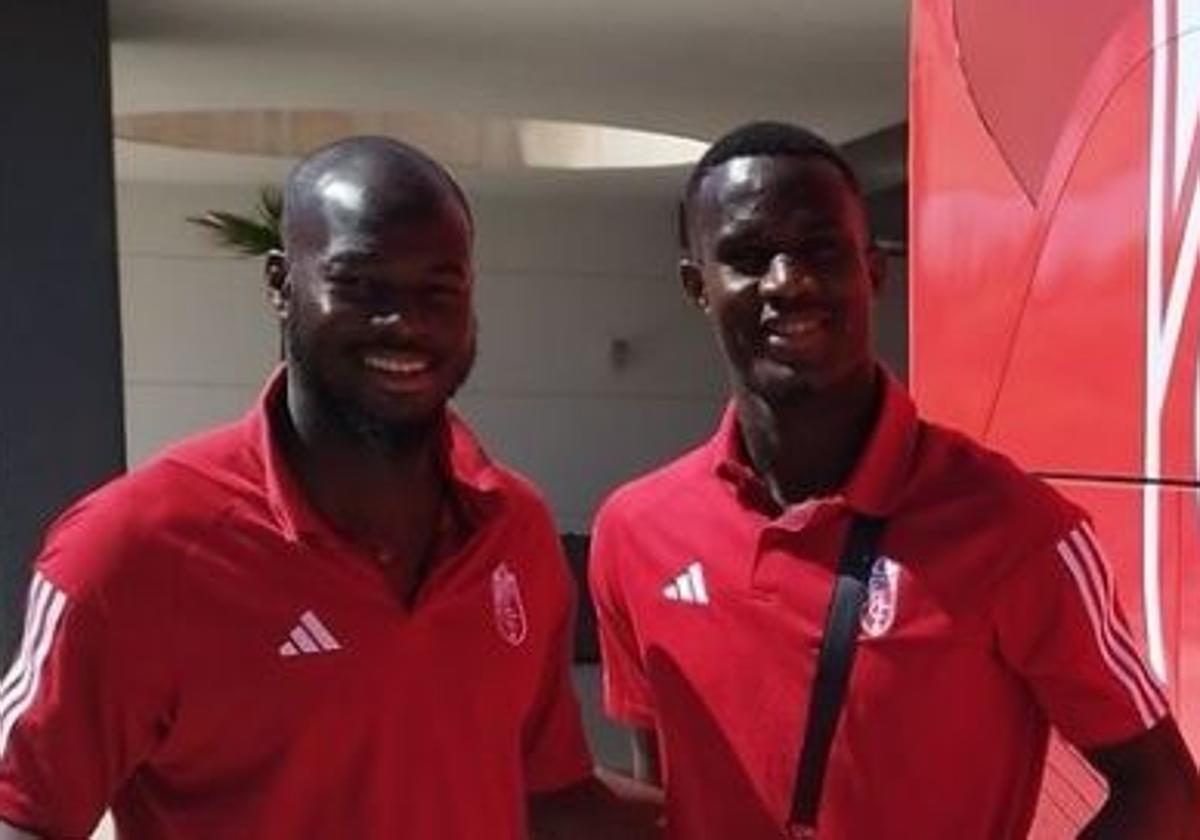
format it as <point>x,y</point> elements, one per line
<point>198,339</point>
<point>560,283</point>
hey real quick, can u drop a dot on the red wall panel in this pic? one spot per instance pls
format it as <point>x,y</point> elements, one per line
<point>1055,231</point>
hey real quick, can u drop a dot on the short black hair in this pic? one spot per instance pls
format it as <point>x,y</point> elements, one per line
<point>762,138</point>
<point>408,162</point>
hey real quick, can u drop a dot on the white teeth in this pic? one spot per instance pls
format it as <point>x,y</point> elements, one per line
<point>405,366</point>
<point>798,325</point>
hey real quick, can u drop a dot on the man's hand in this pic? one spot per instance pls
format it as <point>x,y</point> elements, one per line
<point>605,806</point>
<point>1153,790</point>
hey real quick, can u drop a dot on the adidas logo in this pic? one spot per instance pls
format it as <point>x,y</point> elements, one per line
<point>309,636</point>
<point>688,586</point>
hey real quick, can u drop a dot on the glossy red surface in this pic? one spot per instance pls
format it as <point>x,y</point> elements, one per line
<point>1054,240</point>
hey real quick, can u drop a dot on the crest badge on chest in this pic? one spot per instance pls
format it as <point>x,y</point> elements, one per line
<point>509,607</point>
<point>883,596</point>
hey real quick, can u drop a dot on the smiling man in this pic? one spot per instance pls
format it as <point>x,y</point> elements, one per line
<point>335,618</point>
<point>828,542</point>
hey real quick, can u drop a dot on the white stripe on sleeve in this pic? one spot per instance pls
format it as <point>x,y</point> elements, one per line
<point>1098,601</point>
<point>42,619</point>
<point>1086,542</point>
<point>34,612</point>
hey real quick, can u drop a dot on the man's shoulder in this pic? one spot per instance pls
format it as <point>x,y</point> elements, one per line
<point>520,491</point>
<point>155,509</point>
<point>659,493</point>
<point>192,476</point>
<point>954,468</point>
<point>216,454</point>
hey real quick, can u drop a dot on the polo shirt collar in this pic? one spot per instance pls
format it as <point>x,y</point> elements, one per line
<point>878,478</point>
<point>476,481</point>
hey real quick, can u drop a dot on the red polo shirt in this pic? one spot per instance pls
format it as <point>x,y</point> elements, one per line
<point>991,617</point>
<point>204,655</point>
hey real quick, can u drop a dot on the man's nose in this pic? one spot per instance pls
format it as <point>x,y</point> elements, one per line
<point>785,275</point>
<point>394,318</point>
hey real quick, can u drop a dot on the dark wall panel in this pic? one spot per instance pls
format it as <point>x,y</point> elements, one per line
<point>60,362</point>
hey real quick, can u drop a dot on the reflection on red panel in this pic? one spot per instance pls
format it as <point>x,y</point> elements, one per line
<point>1070,795</point>
<point>1058,47</point>
<point>1055,235</point>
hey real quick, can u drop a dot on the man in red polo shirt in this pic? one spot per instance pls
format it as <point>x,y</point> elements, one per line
<point>336,618</point>
<point>989,613</point>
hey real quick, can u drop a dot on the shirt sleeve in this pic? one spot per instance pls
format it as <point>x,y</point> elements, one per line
<point>82,702</point>
<point>1061,628</point>
<point>627,696</point>
<point>555,747</point>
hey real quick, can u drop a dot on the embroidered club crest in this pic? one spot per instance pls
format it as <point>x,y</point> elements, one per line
<point>883,592</point>
<point>509,609</point>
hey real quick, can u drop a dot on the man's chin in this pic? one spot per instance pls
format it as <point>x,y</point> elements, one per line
<point>786,384</point>
<point>778,383</point>
<point>394,431</point>
<point>387,424</point>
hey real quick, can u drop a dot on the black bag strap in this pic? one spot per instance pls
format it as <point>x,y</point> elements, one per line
<point>833,670</point>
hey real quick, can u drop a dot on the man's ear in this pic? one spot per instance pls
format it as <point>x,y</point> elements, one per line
<point>279,288</point>
<point>693,282</point>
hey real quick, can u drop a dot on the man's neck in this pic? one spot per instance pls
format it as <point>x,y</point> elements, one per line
<point>359,486</point>
<point>389,501</point>
<point>807,447</point>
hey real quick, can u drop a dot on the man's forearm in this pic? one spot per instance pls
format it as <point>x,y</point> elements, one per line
<point>1145,813</point>
<point>1153,789</point>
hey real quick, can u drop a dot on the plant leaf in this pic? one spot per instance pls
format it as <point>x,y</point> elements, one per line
<point>251,236</point>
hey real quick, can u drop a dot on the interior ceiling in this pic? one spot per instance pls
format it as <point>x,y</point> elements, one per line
<point>690,68</point>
